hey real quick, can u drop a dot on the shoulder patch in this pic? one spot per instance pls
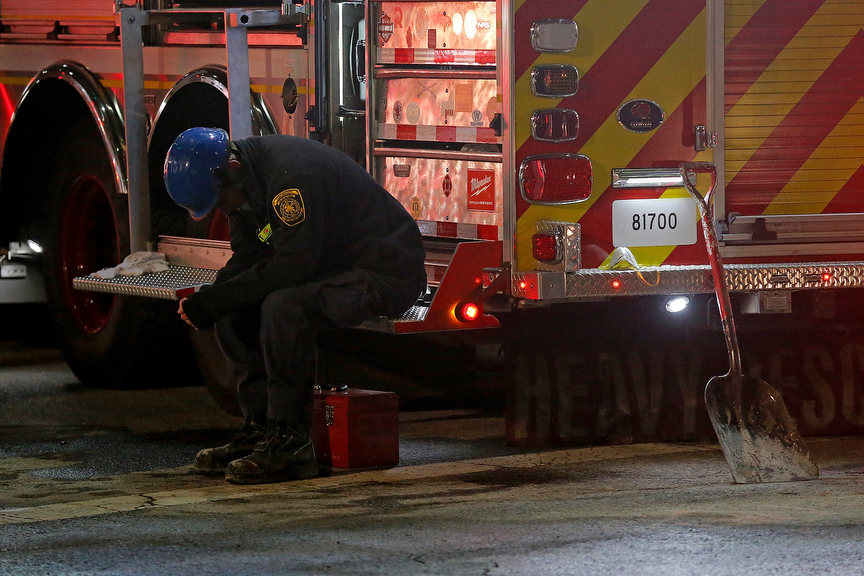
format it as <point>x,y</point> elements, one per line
<point>289,207</point>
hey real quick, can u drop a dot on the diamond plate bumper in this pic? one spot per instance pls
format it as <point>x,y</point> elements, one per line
<point>663,280</point>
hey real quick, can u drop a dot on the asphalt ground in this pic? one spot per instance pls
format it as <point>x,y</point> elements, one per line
<point>99,482</point>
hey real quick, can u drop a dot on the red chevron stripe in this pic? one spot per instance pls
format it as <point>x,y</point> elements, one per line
<point>618,70</point>
<point>800,133</point>
<point>670,145</point>
<point>848,199</point>
<point>639,47</point>
<point>764,36</point>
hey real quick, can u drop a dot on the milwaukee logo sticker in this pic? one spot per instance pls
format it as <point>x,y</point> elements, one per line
<point>481,190</point>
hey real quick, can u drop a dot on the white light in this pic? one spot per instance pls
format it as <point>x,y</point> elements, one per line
<point>470,24</point>
<point>677,304</point>
<point>554,35</point>
<point>34,246</point>
<point>457,24</point>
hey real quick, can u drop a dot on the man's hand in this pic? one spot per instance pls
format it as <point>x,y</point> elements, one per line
<point>183,314</point>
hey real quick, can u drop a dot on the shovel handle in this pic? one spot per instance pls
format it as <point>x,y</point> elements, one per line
<point>706,215</point>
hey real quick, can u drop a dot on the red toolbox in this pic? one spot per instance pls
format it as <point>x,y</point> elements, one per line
<point>355,428</point>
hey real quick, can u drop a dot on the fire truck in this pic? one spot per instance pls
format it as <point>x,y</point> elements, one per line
<point>537,144</point>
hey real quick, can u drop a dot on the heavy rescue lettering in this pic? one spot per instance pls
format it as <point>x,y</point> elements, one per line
<point>645,395</point>
<point>819,411</point>
<point>852,364</point>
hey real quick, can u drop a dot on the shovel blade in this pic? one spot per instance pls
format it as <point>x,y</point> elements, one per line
<point>758,436</point>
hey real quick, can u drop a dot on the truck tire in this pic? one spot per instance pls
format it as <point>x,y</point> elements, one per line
<point>108,340</point>
<point>218,378</point>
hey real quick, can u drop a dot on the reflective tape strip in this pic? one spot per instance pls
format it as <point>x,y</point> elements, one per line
<point>466,134</point>
<point>435,56</point>
<point>459,230</point>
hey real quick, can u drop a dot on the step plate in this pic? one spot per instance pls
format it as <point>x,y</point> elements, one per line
<point>174,284</point>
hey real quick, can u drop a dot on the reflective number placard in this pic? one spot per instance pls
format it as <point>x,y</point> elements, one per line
<point>660,222</point>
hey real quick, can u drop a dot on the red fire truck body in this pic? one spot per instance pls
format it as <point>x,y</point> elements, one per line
<point>537,144</point>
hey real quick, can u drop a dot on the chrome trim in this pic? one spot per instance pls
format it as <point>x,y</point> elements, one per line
<point>382,73</point>
<point>569,236</point>
<point>216,75</point>
<point>506,79</point>
<point>646,178</point>
<point>716,99</point>
<point>643,126</point>
<point>103,107</point>
<point>195,252</point>
<point>438,154</point>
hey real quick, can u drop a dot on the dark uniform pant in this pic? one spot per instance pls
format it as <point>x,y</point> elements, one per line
<point>271,348</point>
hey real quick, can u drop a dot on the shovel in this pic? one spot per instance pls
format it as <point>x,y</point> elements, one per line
<point>759,439</point>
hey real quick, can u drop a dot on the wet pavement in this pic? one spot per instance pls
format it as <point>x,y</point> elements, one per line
<point>98,482</point>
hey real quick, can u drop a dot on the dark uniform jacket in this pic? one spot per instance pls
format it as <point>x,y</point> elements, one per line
<point>312,214</point>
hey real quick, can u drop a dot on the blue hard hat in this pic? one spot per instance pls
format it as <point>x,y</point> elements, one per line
<point>192,169</point>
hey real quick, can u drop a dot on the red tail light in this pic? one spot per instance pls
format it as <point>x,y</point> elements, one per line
<point>555,80</point>
<point>468,311</point>
<point>545,248</point>
<point>555,178</point>
<point>555,125</point>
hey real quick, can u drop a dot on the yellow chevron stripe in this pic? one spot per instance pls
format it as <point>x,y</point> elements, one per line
<point>736,16</point>
<point>782,85</point>
<point>167,85</point>
<point>656,255</point>
<point>14,80</point>
<point>117,84</point>
<point>670,81</point>
<point>817,182</point>
<point>606,25</point>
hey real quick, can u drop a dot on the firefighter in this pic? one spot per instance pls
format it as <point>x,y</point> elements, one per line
<point>317,243</point>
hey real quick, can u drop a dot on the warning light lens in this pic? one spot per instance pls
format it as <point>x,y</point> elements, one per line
<point>555,178</point>
<point>676,304</point>
<point>34,246</point>
<point>555,125</point>
<point>616,284</point>
<point>554,35</point>
<point>826,276</point>
<point>546,248</point>
<point>555,80</point>
<point>468,311</point>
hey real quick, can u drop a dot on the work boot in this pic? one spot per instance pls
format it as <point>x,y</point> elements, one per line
<point>214,460</point>
<point>284,454</point>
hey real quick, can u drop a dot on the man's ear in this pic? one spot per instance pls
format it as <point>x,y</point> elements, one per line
<point>233,171</point>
